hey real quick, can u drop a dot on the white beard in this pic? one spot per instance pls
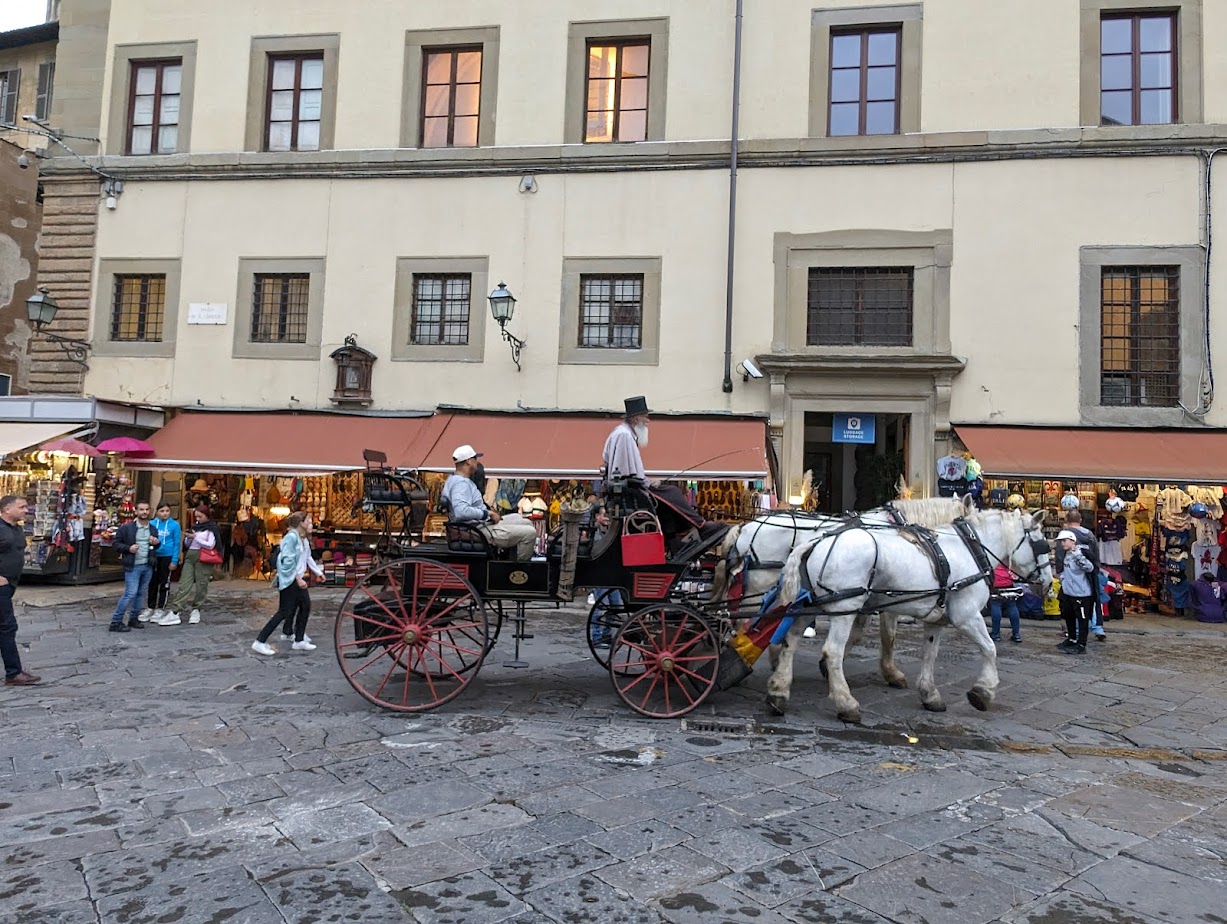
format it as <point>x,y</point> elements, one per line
<point>641,435</point>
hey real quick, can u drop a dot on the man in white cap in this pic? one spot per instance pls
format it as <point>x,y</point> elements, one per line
<point>468,506</point>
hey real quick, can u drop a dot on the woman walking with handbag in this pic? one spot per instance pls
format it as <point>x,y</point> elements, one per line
<point>201,557</point>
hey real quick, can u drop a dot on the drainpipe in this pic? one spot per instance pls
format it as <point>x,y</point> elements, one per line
<point>728,286</point>
<point>1205,396</point>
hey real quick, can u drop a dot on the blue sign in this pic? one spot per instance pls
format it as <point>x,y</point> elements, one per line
<point>853,428</point>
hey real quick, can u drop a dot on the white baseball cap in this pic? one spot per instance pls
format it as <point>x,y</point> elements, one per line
<point>1066,534</point>
<point>464,453</point>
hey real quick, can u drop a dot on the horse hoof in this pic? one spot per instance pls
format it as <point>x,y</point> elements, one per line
<point>851,715</point>
<point>822,666</point>
<point>935,706</point>
<point>777,704</point>
<point>980,699</point>
<point>898,683</point>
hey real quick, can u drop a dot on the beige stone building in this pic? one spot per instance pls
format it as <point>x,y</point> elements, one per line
<point>948,211</point>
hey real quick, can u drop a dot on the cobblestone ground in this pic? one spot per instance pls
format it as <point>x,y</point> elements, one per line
<point>175,776</point>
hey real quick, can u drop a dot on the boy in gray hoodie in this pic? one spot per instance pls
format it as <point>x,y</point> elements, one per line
<point>1078,593</point>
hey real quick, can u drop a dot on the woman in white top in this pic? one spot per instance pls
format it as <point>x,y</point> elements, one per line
<point>195,577</point>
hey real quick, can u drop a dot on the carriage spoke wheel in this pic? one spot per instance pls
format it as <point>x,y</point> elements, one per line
<point>412,634</point>
<point>607,616</point>
<point>663,661</point>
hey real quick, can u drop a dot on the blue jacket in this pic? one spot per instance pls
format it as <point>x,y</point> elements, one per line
<point>125,538</point>
<point>287,559</point>
<point>171,536</point>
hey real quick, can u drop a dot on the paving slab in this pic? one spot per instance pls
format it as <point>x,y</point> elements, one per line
<point>334,895</point>
<point>472,898</point>
<point>585,899</point>
<point>713,902</point>
<point>223,894</point>
<point>1161,894</point>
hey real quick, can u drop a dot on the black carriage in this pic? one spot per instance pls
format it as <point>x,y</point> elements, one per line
<point>414,632</point>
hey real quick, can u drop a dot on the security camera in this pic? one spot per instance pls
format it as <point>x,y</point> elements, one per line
<point>749,370</point>
<point>23,161</point>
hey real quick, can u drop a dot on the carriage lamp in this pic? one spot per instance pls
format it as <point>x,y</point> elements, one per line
<point>503,307</point>
<point>41,309</point>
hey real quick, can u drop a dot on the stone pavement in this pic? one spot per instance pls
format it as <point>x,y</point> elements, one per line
<point>175,776</point>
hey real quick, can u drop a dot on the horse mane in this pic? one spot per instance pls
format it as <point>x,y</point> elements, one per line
<point>931,511</point>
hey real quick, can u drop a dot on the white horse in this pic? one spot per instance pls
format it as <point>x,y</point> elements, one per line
<point>887,569</point>
<point>760,548</point>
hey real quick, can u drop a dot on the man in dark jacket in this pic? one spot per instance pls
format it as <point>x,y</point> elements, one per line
<point>137,543</point>
<point>12,561</point>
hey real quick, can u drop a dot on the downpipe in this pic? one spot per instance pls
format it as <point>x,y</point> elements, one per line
<point>727,385</point>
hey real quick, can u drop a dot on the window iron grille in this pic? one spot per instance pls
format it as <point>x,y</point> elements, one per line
<point>138,307</point>
<point>280,307</point>
<point>860,306</point>
<point>441,309</point>
<point>1140,336</point>
<point>611,311</point>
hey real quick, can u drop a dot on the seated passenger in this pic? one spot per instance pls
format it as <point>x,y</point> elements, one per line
<point>468,507</point>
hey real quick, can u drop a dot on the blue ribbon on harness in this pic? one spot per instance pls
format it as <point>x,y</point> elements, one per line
<point>804,598</point>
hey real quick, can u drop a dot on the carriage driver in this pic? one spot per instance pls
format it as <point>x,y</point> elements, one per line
<point>621,455</point>
<point>468,506</point>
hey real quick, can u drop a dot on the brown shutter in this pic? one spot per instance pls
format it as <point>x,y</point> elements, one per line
<point>8,100</point>
<point>46,79</point>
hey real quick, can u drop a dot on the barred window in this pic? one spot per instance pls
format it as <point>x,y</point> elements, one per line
<point>138,307</point>
<point>279,307</point>
<point>617,90</point>
<point>440,309</point>
<point>611,311</point>
<point>1140,336</point>
<point>859,306</point>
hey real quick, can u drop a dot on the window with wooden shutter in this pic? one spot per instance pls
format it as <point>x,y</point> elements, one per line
<point>10,84</point>
<point>46,81</point>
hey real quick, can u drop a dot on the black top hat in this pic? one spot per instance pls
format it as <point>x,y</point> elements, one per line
<point>636,406</point>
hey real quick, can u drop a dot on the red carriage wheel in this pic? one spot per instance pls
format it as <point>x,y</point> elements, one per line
<point>412,634</point>
<point>607,615</point>
<point>663,660</point>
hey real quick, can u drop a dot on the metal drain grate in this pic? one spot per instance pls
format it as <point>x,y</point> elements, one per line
<point>716,727</point>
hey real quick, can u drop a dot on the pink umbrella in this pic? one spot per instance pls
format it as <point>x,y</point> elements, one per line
<point>74,447</point>
<point>125,444</point>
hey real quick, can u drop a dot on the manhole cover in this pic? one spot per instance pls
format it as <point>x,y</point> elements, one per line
<point>716,727</point>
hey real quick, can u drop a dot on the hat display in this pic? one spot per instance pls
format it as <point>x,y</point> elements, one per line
<point>200,486</point>
<point>464,453</point>
<point>636,407</point>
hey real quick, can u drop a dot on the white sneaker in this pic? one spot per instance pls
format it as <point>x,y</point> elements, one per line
<point>157,614</point>
<point>592,599</point>
<point>170,618</point>
<point>194,618</point>
<point>286,638</point>
<point>263,648</point>
<point>145,614</point>
<point>304,645</point>
<point>810,632</point>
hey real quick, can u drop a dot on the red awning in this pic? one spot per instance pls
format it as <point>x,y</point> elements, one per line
<point>1100,454</point>
<point>286,444</point>
<point>569,446</point>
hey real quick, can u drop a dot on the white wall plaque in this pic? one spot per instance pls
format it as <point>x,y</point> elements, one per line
<point>206,313</point>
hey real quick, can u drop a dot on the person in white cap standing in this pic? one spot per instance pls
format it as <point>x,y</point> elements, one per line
<point>1078,593</point>
<point>468,506</point>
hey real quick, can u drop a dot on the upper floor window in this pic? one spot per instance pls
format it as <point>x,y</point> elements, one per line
<point>153,107</point>
<point>295,102</point>
<point>46,82</point>
<point>859,306</point>
<point>1140,336</point>
<point>451,97</point>
<point>280,304</point>
<point>611,311</point>
<point>138,307</point>
<point>616,90</point>
<point>864,83</point>
<point>440,309</point>
<point>1138,68</point>
<point>10,85</point>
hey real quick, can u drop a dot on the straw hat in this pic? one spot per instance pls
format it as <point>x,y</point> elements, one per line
<point>200,486</point>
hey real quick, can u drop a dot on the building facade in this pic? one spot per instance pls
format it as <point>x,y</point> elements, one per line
<point>946,210</point>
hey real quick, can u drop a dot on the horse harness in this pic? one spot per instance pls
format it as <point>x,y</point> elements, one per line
<point>923,538</point>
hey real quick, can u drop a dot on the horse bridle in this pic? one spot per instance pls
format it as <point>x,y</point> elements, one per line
<point>1039,547</point>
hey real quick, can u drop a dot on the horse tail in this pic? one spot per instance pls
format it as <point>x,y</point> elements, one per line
<point>724,566</point>
<point>790,578</point>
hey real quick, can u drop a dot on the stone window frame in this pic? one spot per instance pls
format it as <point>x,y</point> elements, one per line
<point>929,253</point>
<point>104,287</point>
<point>479,287</point>
<point>1092,260</point>
<point>569,350</point>
<point>244,348</point>
<point>121,91</point>
<point>262,47</point>
<point>579,34</point>
<point>909,18</point>
<point>417,42</point>
<point>1189,57</point>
